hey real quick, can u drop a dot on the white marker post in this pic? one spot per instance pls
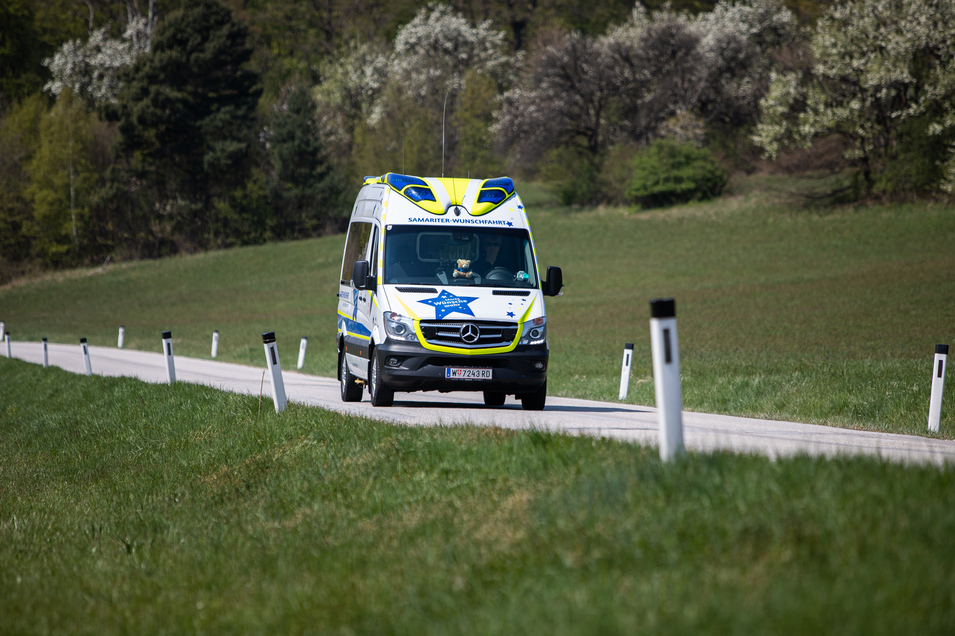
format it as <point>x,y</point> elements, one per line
<point>7,338</point>
<point>46,354</point>
<point>275,369</point>
<point>625,370</point>
<point>666,376</point>
<point>86,356</point>
<point>215,343</point>
<point>301,352</point>
<point>170,361</point>
<point>938,386</point>
<point>119,340</point>
<point>3,330</point>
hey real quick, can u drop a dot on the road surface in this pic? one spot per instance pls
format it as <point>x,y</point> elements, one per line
<point>702,432</point>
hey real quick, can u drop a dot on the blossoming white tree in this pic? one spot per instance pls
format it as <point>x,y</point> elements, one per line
<point>430,57</point>
<point>433,52</point>
<point>884,70</point>
<point>400,97</point>
<point>91,69</point>
<point>634,82</point>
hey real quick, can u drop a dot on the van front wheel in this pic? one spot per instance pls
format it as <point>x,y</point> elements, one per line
<point>380,394</point>
<point>351,390</point>
<point>535,401</point>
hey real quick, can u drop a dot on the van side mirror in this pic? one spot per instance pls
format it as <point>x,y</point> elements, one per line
<point>554,285</point>
<point>360,275</point>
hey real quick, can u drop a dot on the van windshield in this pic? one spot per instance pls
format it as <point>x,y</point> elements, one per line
<point>488,257</point>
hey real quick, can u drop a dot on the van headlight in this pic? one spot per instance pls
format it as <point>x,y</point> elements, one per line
<point>534,331</point>
<point>399,327</point>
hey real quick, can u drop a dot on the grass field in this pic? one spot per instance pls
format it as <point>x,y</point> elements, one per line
<point>134,508</point>
<point>826,315</point>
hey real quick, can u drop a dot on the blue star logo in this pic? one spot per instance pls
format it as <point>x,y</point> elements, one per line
<point>447,303</point>
<point>510,314</point>
<point>509,224</point>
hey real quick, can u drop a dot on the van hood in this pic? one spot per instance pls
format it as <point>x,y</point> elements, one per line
<point>463,302</point>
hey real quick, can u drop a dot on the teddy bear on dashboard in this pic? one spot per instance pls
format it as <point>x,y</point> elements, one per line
<point>463,270</point>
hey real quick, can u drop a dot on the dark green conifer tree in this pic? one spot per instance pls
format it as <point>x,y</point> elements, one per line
<point>307,189</point>
<point>187,117</point>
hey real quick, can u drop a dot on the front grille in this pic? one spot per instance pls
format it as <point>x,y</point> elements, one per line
<point>448,334</point>
<point>508,292</point>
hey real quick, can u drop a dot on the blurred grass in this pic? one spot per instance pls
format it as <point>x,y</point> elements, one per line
<point>134,508</point>
<point>816,314</point>
<point>288,288</point>
<point>826,316</point>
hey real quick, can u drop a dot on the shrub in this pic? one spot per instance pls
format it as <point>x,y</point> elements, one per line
<point>668,172</point>
<point>616,169</point>
<point>571,176</point>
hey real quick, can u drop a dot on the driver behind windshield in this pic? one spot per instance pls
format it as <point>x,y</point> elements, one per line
<point>491,256</point>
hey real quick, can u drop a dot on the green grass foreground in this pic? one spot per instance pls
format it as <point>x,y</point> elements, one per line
<point>134,508</point>
<point>827,315</point>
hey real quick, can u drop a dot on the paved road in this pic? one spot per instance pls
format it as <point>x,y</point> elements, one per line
<point>702,432</point>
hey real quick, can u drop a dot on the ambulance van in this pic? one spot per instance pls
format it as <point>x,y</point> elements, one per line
<point>441,291</point>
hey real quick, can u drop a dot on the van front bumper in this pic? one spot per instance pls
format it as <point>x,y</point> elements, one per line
<point>407,366</point>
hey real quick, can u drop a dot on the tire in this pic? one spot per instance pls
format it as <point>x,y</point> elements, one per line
<point>535,401</point>
<point>351,390</point>
<point>495,398</point>
<point>381,395</point>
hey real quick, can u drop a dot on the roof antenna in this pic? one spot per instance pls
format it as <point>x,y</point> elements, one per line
<point>443,115</point>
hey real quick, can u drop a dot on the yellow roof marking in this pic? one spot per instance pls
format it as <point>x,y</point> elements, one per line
<point>452,186</point>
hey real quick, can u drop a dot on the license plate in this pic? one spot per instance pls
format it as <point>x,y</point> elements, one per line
<point>466,373</point>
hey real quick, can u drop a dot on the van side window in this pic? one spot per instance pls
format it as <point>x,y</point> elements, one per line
<point>373,258</point>
<point>355,248</point>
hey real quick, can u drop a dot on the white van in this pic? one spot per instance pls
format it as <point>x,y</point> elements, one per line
<point>440,290</point>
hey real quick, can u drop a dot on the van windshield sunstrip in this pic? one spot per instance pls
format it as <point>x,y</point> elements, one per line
<point>499,257</point>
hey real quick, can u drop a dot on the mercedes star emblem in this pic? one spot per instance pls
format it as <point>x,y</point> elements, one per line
<point>470,333</point>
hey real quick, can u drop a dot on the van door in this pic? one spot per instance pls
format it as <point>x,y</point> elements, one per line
<point>354,305</point>
<point>366,298</point>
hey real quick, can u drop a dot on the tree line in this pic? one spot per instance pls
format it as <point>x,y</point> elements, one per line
<point>140,129</point>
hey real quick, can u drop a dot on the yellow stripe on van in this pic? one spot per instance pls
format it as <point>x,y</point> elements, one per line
<point>471,352</point>
<point>353,335</point>
<point>528,312</point>
<point>411,314</point>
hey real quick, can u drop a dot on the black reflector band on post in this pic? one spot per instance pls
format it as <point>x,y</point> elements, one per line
<point>942,349</point>
<point>628,345</point>
<point>167,334</point>
<point>268,337</point>
<point>82,340</point>
<point>662,308</point>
